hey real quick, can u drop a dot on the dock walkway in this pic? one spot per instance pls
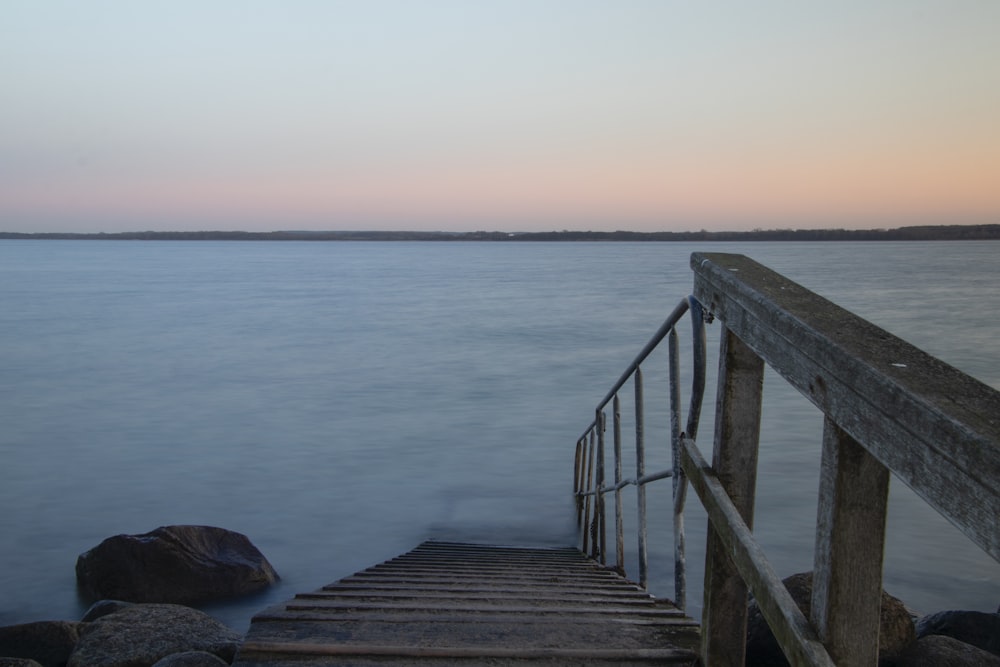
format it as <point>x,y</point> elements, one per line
<point>466,604</point>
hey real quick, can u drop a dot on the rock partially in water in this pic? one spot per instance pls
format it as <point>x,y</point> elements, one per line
<point>46,642</point>
<point>942,651</point>
<point>142,634</point>
<point>896,631</point>
<point>174,564</point>
<point>980,629</point>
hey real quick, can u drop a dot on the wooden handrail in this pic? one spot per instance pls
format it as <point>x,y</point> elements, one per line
<point>887,407</point>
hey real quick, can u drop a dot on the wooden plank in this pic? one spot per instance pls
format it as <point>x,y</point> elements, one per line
<point>496,593</point>
<point>737,433</point>
<point>584,655</point>
<point>850,538</point>
<point>453,588</point>
<point>936,428</point>
<point>789,624</point>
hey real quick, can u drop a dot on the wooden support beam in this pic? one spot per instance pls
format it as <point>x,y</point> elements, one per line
<point>850,539</point>
<point>789,624</point>
<point>734,460</point>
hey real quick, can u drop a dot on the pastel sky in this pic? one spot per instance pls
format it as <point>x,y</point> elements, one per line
<point>125,115</point>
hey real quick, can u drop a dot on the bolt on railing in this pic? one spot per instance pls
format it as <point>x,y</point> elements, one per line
<point>590,454</point>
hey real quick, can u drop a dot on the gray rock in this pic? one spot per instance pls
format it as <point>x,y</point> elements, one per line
<point>19,662</point>
<point>191,659</point>
<point>46,642</point>
<point>176,564</point>
<point>145,633</point>
<point>896,631</point>
<point>977,628</point>
<point>942,651</point>
<point>103,608</point>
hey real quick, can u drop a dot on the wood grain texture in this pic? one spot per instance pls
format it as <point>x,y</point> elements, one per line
<point>734,460</point>
<point>850,540</point>
<point>933,426</point>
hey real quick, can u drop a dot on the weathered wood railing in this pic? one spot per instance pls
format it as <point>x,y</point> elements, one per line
<point>887,406</point>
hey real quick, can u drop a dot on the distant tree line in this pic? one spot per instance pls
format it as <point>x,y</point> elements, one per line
<point>914,233</point>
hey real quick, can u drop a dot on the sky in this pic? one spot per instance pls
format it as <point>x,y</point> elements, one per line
<point>515,115</point>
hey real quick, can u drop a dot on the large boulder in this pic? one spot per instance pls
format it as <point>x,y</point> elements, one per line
<point>978,628</point>
<point>176,564</point>
<point>46,642</point>
<point>942,651</point>
<point>145,633</point>
<point>895,634</point>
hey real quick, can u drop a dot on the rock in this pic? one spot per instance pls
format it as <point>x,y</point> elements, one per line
<point>977,628</point>
<point>46,642</point>
<point>103,608</point>
<point>191,659</point>
<point>145,633</point>
<point>942,651</point>
<point>19,662</point>
<point>896,631</point>
<point>176,564</point>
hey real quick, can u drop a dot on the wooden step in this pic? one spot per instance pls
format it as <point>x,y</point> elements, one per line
<point>464,604</point>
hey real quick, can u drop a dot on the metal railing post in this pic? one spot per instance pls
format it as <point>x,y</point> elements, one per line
<point>578,480</point>
<point>591,458</point>
<point>679,485</point>
<point>640,470</point>
<point>619,524</point>
<point>587,487</point>
<point>600,540</point>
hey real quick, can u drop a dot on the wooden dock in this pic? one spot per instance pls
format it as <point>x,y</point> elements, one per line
<point>465,604</point>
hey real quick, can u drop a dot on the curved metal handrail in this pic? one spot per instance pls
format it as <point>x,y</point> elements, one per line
<point>590,449</point>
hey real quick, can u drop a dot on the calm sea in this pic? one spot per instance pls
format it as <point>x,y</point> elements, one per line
<point>340,402</point>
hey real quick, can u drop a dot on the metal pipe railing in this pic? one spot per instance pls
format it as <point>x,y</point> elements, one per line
<point>590,451</point>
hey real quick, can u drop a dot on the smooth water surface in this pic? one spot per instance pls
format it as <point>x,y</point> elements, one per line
<point>340,402</point>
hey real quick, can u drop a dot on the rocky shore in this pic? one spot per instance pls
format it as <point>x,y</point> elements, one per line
<point>141,584</point>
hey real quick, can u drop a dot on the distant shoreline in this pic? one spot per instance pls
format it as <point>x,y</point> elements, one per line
<point>914,233</point>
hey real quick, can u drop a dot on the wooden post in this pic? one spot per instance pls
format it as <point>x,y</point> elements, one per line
<point>737,436</point>
<point>850,539</point>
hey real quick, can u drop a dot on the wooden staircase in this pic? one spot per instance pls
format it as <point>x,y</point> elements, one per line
<point>464,604</point>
